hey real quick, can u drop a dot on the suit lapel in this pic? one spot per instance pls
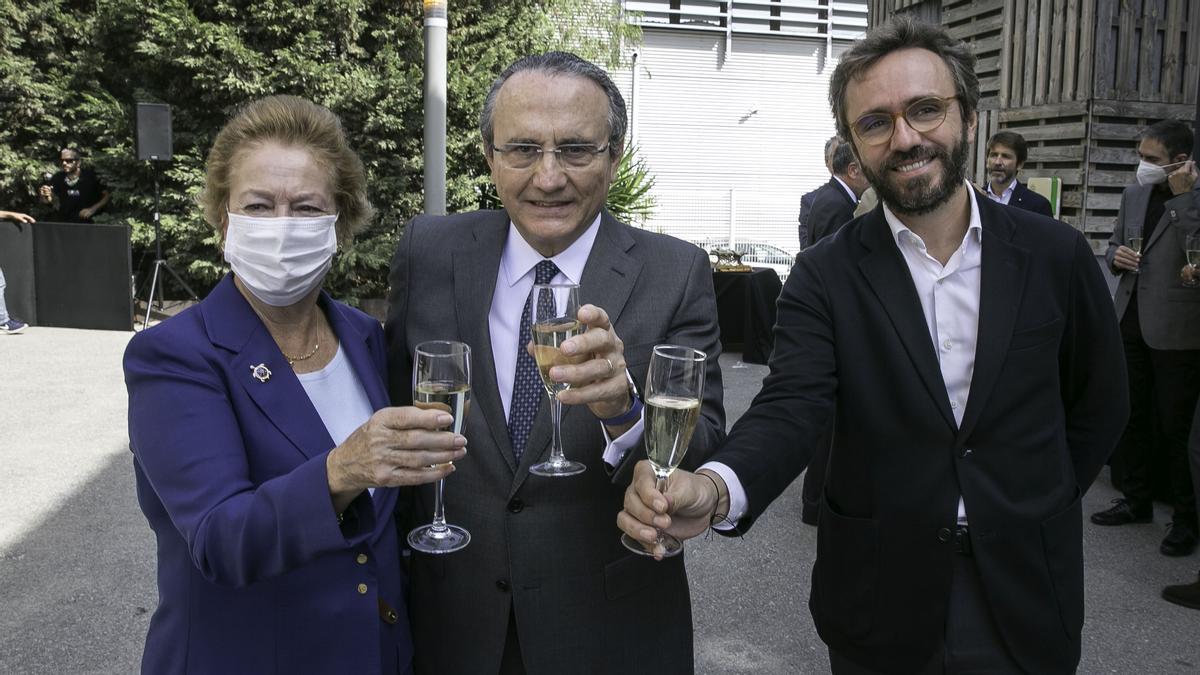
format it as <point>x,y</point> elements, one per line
<point>889,277</point>
<point>1001,287</point>
<point>476,265</point>
<point>608,280</point>
<point>1160,227</point>
<point>233,325</point>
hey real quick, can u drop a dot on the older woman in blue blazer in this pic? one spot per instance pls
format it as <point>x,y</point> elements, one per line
<point>266,458</point>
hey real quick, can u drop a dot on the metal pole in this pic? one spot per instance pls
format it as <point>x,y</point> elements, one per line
<point>436,26</point>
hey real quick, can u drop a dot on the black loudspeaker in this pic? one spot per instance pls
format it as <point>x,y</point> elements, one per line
<point>154,131</point>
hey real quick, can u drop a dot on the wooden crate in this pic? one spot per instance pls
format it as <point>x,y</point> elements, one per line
<point>1147,50</point>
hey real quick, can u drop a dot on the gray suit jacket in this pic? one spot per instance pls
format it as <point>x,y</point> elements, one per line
<point>547,549</point>
<point>1168,313</point>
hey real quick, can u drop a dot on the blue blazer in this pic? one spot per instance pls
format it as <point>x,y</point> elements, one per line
<point>255,575</point>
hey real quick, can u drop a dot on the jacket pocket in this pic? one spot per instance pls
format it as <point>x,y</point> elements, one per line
<point>845,588</point>
<point>1036,336</point>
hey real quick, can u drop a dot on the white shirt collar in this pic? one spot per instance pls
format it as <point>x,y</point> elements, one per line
<point>974,225</point>
<point>519,258</point>
<point>1007,191</point>
<point>853,197</point>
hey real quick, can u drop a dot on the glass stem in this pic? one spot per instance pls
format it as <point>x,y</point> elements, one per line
<point>661,486</point>
<point>557,456</point>
<point>439,511</point>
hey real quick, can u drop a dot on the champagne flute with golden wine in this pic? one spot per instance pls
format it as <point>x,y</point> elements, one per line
<point>554,319</point>
<point>1192,248</point>
<point>442,381</point>
<point>674,392</point>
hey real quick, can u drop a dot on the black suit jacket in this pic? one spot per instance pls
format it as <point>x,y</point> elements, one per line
<point>1047,403</point>
<point>1024,198</point>
<point>831,209</point>
<point>806,201</point>
<point>547,550</point>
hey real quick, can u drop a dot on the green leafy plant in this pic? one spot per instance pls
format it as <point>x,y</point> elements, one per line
<point>71,73</point>
<point>629,197</point>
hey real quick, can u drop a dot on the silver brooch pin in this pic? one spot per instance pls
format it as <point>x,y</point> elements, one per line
<point>260,372</point>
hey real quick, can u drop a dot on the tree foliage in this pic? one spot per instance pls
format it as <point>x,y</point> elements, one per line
<point>72,71</point>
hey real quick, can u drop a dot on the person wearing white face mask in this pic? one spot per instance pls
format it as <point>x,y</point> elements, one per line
<point>1158,326</point>
<point>266,457</point>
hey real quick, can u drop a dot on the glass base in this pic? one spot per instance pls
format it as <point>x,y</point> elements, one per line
<point>448,540</point>
<point>1191,284</point>
<point>670,546</point>
<point>563,467</point>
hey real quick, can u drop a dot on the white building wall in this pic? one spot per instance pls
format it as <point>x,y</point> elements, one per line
<point>733,127</point>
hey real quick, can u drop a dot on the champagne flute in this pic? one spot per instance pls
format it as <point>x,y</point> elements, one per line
<point>674,390</point>
<point>1133,235</point>
<point>442,381</point>
<point>554,318</point>
<point>1192,247</point>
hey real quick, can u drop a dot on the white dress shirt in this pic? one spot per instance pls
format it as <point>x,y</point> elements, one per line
<point>849,192</point>
<point>949,297</point>
<point>514,281</point>
<point>1003,197</point>
<point>339,397</point>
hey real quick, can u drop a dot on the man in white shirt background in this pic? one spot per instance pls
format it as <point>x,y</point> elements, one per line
<point>1006,155</point>
<point>972,356</point>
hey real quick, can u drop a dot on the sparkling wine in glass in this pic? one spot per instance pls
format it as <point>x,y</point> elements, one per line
<point>442,381</point>
<point>1192,247</point>
<point>553,315</point>
<point>674,390</point>
<point>1135,243</point>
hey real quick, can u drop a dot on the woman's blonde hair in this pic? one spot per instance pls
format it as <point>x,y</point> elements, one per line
<point>296,122</point>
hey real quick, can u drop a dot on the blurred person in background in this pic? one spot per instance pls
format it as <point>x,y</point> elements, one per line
<point>75,191</point>
<point>10,325</point>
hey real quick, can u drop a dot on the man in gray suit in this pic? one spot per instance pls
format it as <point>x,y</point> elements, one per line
<point>545,586</point>
<point>1158,326</point>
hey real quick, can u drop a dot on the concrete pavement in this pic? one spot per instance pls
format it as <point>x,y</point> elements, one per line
<point>77,559</point>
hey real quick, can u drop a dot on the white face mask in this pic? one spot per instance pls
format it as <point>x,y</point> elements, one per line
<point>1152,174</point>
<point>280,260</point>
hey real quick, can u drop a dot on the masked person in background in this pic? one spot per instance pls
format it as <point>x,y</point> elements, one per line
<point>1158,327</point>
<point>265,455</point>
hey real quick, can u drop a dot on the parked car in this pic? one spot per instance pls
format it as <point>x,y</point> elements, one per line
<point>757,254</point>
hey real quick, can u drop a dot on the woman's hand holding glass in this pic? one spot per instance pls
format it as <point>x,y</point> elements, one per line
<point>397,446</point>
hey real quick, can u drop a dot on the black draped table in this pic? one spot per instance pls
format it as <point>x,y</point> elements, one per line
<point>746,312</point>
<point>69,275</point>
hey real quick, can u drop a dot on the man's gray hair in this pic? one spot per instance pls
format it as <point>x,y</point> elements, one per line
<point>843,157</point>
<point>903,32</point>
<point>560,63</point>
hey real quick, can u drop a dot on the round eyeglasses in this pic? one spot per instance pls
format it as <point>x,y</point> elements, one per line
<point>923,116</point>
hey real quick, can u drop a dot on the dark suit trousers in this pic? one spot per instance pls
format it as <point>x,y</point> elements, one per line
<point>1163,389</point>
<point>972,644</point>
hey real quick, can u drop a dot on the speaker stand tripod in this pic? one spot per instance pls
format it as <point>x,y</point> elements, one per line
<point>161,264</point>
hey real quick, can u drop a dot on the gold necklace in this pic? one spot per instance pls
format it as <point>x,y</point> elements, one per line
<point>293,359</point>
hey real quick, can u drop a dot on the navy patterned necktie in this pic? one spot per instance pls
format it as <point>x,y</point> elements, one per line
<point>528,390</point>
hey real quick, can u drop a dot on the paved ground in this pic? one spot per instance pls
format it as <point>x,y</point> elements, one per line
<point>77,559</point>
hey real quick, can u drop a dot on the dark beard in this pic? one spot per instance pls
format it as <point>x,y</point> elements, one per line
<point>922,197</point>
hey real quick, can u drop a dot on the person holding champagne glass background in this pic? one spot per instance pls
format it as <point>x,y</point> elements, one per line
<point>265,455</point>
<point>1188,594</point>
<point>1158,319</point>
<point>545,585</point>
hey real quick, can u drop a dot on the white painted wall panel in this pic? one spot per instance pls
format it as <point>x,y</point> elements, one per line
<point>733,136</point>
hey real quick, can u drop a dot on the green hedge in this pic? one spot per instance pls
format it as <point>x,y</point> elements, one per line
<point>71,72</point>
